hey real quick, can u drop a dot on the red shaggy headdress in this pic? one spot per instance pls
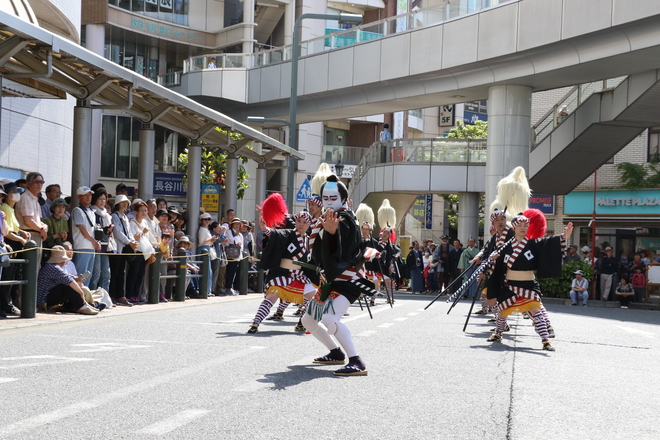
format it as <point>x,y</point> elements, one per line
<point>274,210</point>
<point>537,223</point>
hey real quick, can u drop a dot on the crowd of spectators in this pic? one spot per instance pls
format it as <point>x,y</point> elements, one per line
<point>95,254</point>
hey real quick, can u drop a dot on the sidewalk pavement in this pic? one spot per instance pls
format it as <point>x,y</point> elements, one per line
<point>13,322</point>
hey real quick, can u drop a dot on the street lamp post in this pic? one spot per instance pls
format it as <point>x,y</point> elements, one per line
<point>354,19</point>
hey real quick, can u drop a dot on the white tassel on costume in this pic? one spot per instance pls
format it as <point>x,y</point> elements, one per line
<point>365,214</point>
<point>386,215</point>
<point>320,177</point>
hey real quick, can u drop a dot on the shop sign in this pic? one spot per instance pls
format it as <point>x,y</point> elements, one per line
<point>169,184</point>
<point>422,210</point>
<point>613,202</point>
<point>210,197</point>
<point>545,204</point>
<point>165,31</point>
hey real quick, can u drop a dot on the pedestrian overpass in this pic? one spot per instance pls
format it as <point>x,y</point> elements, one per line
<point>402,169</point>
<point>442,57</point>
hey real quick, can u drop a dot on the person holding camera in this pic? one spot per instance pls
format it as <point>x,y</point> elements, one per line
<point>84,242</point>
<point>103,233</point>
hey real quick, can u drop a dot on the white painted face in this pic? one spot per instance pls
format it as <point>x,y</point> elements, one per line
<point>331,197</point>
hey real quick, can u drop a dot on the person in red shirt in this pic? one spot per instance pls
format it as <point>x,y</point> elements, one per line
<point>638,282</point>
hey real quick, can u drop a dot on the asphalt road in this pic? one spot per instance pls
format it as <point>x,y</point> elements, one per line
<point>192,372</point>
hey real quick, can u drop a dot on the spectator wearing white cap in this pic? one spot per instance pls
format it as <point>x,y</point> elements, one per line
<point>28,211</point>
<point>125,245</point>
<point>205,239</point>
<point>579,288</point>
<point>84,243</point>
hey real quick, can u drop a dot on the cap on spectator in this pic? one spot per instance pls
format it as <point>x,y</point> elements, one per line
<point>58,202</point>
<point>57,255</point>
<point>84,190</point>
<point>11,186</point>
<point>609,248</point>
<point>2,192</point>
<point>578,272</point>
<point>136,200</point>
<point>236,220</point>
<point>444,237</point>
<point>121,198</point>
<point>205,215</point>
<point>586,249</point>
<point>172,210</point>
<point>182,240</point>
<point>161,212</point>
<point>574,246</point>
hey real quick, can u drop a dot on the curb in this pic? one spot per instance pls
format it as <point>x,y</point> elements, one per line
<point>14,323</point>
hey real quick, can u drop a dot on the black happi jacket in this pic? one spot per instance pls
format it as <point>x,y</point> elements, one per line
<point>371,243</point>
<point>282,243</point>
<point>337,252</point>
<point>544,255</point>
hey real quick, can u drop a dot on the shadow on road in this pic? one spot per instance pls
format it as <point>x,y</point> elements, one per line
<point>295,375</point>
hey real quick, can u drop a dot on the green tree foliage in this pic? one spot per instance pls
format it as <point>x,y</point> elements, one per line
<point>638,176</point>
<point>560,287</point>
<point>478,130</point>
<point>214,166</point>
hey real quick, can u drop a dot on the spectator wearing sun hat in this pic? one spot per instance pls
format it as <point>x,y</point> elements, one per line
<point>205,240</point>
<point>579,288</point>
<point>235,238</point>
<point>84,243</point>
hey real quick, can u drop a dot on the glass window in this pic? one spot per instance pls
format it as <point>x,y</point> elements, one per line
<point>108,146</point>
<point>123,147</point>
<point>135,149</point>
<point>653,144</point>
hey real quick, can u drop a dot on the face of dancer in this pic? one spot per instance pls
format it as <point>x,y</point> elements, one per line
<point>366,232</point>
<point>301,225</point>
<point>500,223</point>
<point>314,209</point>
<point>331,197</point>
<point>521,229</point>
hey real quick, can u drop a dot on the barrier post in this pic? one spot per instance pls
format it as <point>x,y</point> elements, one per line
<point>180,287</point>
<point>204,272</point>
<point>154,280</point>
<point>243,267</point>
<point>29,292</point>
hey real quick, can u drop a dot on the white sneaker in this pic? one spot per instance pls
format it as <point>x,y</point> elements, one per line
<point>88,310</point>
<point>624,307</point>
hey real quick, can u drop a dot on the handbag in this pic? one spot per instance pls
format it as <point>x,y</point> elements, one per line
<point>233,252</point>
<point>4,258</point>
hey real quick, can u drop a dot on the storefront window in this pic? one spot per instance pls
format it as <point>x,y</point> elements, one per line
<point>173,11</point>
<point>654,145</point>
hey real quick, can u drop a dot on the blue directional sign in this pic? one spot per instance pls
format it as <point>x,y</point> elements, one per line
<point>305,191</point>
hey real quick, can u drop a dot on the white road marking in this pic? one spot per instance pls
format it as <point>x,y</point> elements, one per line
<point>367,333</point>
<point>400,319</point>
<point>39,360</point>
<point>386,325</point>
<point>636,331</point>
<point>7,379</point>
<point>37,421</point>
<point>365,314</point>
<point>176,421</point>
<point>105,346</point>
<point>412,314</point>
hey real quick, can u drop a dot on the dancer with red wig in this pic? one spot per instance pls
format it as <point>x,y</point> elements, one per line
<point>513,279</point>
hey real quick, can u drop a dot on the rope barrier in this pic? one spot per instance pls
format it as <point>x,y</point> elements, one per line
<point>125,253</point>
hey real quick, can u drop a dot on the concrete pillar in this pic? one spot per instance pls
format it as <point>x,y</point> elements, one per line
<point>231,182</point>
<point>146,170</point>
<point>468,216</point>
<point>289,20</point>
<point>283,177</point>
<point>95,42</point>
<point>262,176</point>
<point>193,198</point>
<point>509,122</point>
<point>82,147</point>
<point>248,26</point>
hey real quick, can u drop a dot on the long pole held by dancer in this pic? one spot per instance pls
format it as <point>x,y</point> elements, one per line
<point>390,298</point>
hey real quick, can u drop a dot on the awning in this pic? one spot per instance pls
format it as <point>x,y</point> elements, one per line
<point>39,62</point>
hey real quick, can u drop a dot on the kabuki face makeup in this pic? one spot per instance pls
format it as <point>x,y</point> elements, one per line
<point>331,197</point>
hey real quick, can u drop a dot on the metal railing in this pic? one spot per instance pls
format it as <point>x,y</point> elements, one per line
<point>169,79</point>
<point>339,38</point>
<point>567,105</point>
<point>340,154</point>
<point>29,281</point>
<point>434,150</point>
